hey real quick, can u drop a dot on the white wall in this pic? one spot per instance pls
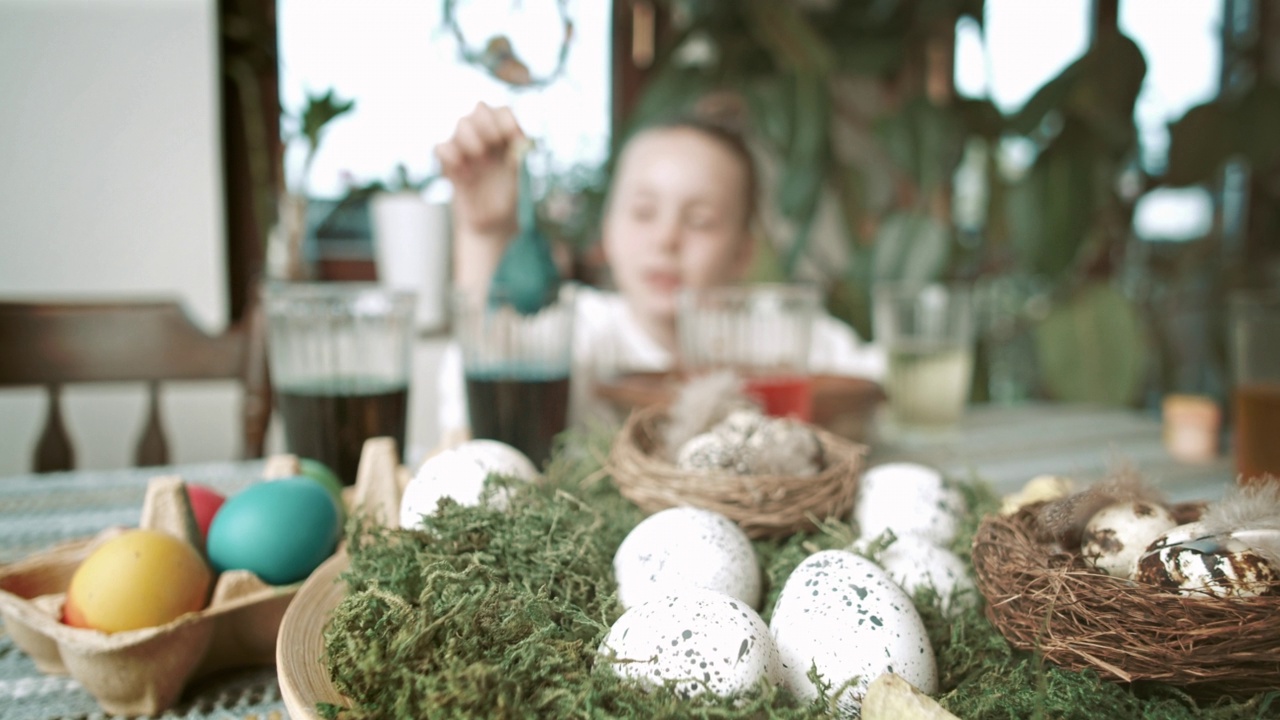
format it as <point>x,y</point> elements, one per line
<point>110,186</point>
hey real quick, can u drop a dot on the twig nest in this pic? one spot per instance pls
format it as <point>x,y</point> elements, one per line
<point>1189,560</point>
<point>747,442</point>
<point>1116,535</point>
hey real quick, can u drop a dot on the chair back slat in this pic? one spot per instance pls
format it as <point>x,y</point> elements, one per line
<point>59,343</point>
<point>54,451</point>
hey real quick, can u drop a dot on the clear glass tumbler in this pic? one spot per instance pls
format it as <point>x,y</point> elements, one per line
<point>339,355</point>
<point>762,332</point>
<point>517,369</point>
<point>927,334</point>
<point>1255,354</point>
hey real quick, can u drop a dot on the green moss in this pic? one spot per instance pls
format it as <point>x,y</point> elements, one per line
<point>498,615</point>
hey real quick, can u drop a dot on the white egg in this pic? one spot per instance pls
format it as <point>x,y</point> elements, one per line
<point>844,615</point>
<point>460,473</point>
<point>1189,561</point>
<point>913,562</point>
<point>1117,534</point>
<point>697,641</point>
<point>499,458</point>
<point>908,499</point>
<point>681,548</point>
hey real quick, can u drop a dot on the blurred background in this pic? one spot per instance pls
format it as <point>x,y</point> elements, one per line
<point>1105,171</point>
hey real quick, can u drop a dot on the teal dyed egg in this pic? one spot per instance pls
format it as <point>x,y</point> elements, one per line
<point>280,530</point>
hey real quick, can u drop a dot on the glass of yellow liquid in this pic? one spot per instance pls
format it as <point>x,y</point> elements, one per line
<point>926,330</point>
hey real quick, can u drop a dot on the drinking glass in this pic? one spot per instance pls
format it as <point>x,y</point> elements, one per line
<point>760,331</point>
<point>517,369</point>
<point>927,333</point>
<point>1255,346</point>
<point>339,355</point>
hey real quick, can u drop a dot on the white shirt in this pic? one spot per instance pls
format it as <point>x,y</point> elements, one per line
<point>608,341</point>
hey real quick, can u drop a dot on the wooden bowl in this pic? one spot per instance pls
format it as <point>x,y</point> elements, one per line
<point>842,405</point>
<point>300,668</point>
<point>304,679</point>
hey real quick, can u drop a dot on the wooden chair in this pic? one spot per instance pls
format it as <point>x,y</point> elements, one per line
<point>55,344</point>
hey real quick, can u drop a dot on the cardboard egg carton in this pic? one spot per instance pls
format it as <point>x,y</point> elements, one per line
<point>143,672</point>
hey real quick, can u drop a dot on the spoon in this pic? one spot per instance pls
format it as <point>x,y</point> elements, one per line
<point>526,277</point>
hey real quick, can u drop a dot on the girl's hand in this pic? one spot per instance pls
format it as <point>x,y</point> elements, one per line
<point>481,163</point>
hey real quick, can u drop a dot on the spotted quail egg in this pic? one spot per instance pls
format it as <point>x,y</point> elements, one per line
<point>914,563</point>
<point>460,473</point>
<point>783,446</point>
<point>740,424</point>
<point>1188,560</point>
<point>693,642</point>
<point>682,548</point>
<point>843,615</point>
<point>711,451</point>
<point>908,499</point>
<point>1117,534</point>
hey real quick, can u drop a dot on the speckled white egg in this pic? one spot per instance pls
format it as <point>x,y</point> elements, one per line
<point>711,451</point>
<point>682,548</point>
<point>1117,534</point>
<point>1188,562</point>
<point>695,642</point>
<point>908,499</point>
<point>843,614</point>
<point>499,458</point>
<point>783,446</point>
<point>460,473</point>
<point>913,562</point>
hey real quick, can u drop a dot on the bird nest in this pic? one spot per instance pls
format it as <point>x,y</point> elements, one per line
<point>762,505</point>
<point>1051,602</point>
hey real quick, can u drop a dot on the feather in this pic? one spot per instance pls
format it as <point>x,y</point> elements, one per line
<point>1063,520</point>
<point>701,403</point>
<point>1250,514</point>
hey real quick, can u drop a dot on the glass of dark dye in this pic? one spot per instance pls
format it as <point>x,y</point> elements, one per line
<point>340,362</point>
<point>517,369</point>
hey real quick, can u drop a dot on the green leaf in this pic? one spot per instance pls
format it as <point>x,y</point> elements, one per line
<point>1092,348</point>
<point>320,111</point>
<point>911,246</point>
<point>1199,143</point>
<point>1257,119</point>
<point>807,158</point>
<point>788,35</point>
<point>870,55</point>
<point>925,140</point>
<point>1052,208</point>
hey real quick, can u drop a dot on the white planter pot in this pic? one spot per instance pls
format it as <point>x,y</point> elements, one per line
<point>411,252</point>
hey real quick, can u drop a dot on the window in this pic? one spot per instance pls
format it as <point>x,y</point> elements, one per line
<point>401,65</point>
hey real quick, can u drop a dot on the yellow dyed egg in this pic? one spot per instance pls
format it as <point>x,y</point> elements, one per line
<point>142,578</point>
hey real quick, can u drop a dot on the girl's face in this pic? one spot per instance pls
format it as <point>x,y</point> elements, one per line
<point>677,218</point>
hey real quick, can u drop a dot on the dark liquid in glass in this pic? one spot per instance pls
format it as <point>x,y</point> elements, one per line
<point>522,410</point>
<point>330,422</point>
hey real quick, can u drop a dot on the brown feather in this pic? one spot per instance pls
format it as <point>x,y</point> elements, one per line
<point>1062,521</point>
